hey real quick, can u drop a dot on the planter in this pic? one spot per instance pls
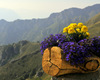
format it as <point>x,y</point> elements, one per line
<point>54,64</point>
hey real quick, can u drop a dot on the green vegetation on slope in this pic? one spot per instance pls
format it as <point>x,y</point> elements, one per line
<point>94,25</point>
<point>25,64</point>
<point>22,60</point>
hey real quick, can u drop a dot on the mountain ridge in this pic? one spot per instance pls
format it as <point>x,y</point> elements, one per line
<point>36,29</point>
<point>95,5</point>
<point>23,60</point>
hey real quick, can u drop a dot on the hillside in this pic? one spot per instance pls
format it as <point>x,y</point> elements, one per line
<point>20,61</point>
<point>37,29</point>
<point>94,25</point>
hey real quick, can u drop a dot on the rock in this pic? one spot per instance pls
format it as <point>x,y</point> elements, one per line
<point>39,74</point>
<point>23,42</point>
<point>7,52</point>
<point>53,78</point>
<point>87,76</point>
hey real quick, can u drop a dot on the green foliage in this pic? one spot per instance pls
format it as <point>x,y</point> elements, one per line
<point>23,65</point>
<point>94,25</point>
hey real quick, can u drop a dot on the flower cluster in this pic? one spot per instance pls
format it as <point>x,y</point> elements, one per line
<point>75,43</point>
<point>96,45</point>
<point>52,40</point>
<point>75,54</point>
<point>92,45</point>
<point>77,31</point>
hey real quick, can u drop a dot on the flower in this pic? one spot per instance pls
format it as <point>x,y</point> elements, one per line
<point>95,46</point>
<point>84,29</point>
<point>71,31</point>
<point>78,30</point>
<point>52,41</point>
<point>60,39</point>
<point>80,25</point>
<point>65,29</point>
<point>75,54</point>
<point>73,25</point>
<point>69,26</point>
<point>92,45</point>
<point>76,45</point>
<point>48,42</point>
<point>88,34</point>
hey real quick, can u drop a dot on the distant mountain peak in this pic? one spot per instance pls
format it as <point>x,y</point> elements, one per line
<point>93,6</point>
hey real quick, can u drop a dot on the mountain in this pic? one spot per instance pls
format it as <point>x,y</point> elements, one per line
<point>94,25</point>
<point>37,29</point>
<point>22,60</point>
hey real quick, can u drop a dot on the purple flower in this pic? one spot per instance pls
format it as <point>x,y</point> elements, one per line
<point>56,40</point>
<point>92,45</point>
<point>75,54</point>
<point>67,56</point>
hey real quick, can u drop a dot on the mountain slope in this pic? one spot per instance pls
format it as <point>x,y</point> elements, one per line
<point>22,60</point>
<point>26,63</point>
<point>37,29</point>
<point>94,25</point>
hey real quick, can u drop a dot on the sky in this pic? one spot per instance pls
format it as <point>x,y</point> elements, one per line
<point>28,9</point>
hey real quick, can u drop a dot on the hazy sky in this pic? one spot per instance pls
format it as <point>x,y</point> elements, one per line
<point>28,9</point>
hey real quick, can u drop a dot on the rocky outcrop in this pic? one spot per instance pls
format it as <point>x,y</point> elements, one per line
<point>39,72</point>
<point>7,52</point>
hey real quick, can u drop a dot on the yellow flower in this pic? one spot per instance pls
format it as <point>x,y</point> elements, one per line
<point>80,25</point>
<point>84,29</point>
<point>71,31</point>
<point>65,29</point>
<point>73,25</point>
<point>88,34</point>
<point>69,26</point>
<point>78,30</point>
